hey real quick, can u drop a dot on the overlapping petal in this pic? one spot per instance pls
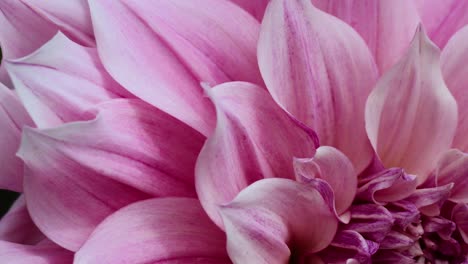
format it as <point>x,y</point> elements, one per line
<point>453,168</point>
<point>321,71</point>
<point>336,169</point>
<point>256,8</point>
<point>161,230</point>
<point>375,20</point>
<point>277,220</point>
<point>254,139</point>
<point>60,81</point>
<point>71,17</point>
<point>460,217</point>
<point>453,61</point>
<point>27,254</point>
<point>13,117</point>
<point>411,116</point>
<point>131,151</point>
<point>442,18</point>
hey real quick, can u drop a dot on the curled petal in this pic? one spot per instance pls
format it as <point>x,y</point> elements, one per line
<point>453,168</point>
<point>346,245</point>
<point>404,213</point>
<point>27,254</point>
<point>161,230</point>
<point>460,217</point>
<point>60,81</point>
<point>336,169</point>
<point>374,20</point>
<point>17,226</point>
<point>274,218</point>
<point>320,71</point>
<point>254,139</point>
<point>13,117</point>
<point>410,100</point>
<point>430,200</point>
<point>396,240</point>
<point>131,151</point>
<point>255,8</point>
<point>442,226</point>
<point>453,61</point>
<point>137,58</point>
<point>387,186</point>
<point>71,17</point>
<point>442,18</point>
<point>372,221</point>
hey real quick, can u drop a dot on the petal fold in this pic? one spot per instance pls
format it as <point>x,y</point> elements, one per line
<point>411,116</point>
<point>79,173</point>
<point>320,71</point>
<point>275,220</point>
<point>13,117</point>
<point>26,254</point>
<point>453,168</point>
<point>161,230</point>
<point>60,81</point>
<point>253,139</point>
<point>255,8</point>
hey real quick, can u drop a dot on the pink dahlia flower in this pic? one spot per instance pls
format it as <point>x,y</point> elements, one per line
<point>215,131</point>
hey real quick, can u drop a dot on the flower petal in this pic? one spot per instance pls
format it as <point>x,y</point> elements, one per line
<point>221,52</point>
<point>20,36</point>
<point>255,8</point>
<point>13,117</point>
<point>254,139</point>
<point>274,218</point>
<point>347,245</point>
<point>25,254</point>
<point>453,168</point>
<point>374,20</point>
<point>17,226</point>
<point>460,217</point>
<point>430,200</point>
<point>71,17</point>
<point>336,169</point>
<point>442,18</point>
<point>411,116</point>
<point>453,60</point>
<point>162,230</point>
<point>131,151</point>
<point>320,71</point>
<point>143,63</point>
<point>60,81</point>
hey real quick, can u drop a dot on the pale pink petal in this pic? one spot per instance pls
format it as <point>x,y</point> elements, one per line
<point>453,60</point>
<point>17,226</point>
<point>79,173</point>
<point>442,18</point>
<point>60,81</point>
<point>453,168</point>
<point>386,26</point>
<point>71,17</point>
<point>430,200</point>
<point>26,254</point>
<point>321,71</point>
<point>143,63</point>
<point>162,230</point>
<point>13,117</point>
<point>460,217</point>
<point>254,139</point>
<point>336,169</point>
<point>276,220</point>
<point>221,52</point>
<point>20,36</point>
<point>411,116</point>
<point>255,8</point>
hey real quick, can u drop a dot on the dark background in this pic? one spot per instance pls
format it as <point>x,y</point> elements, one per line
<point>6,199</point>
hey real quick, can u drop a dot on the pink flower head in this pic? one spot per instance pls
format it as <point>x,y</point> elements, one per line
<point>216,131</point>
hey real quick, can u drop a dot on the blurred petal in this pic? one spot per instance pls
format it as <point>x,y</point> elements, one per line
<point>71,17</point>
<point>460,217</point>
<point>221,52</point>
<point>60,81</point>
<point>375,21</point>
<point>20,36</point>
<point>167,230</point>
<point>254,139</point>
<point>17,226</point>
<point>442,18</point>
<point>321,71</point>
<point>143,63</point>
<point>13,117</point>
<point>255,8</point>
<point>411,116</point>
<point>25,254</point>
<point>336,169</point>
<point>453,168</point>
<point>274,218</point>
<point>79,173</point>
<point>453,59</point>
